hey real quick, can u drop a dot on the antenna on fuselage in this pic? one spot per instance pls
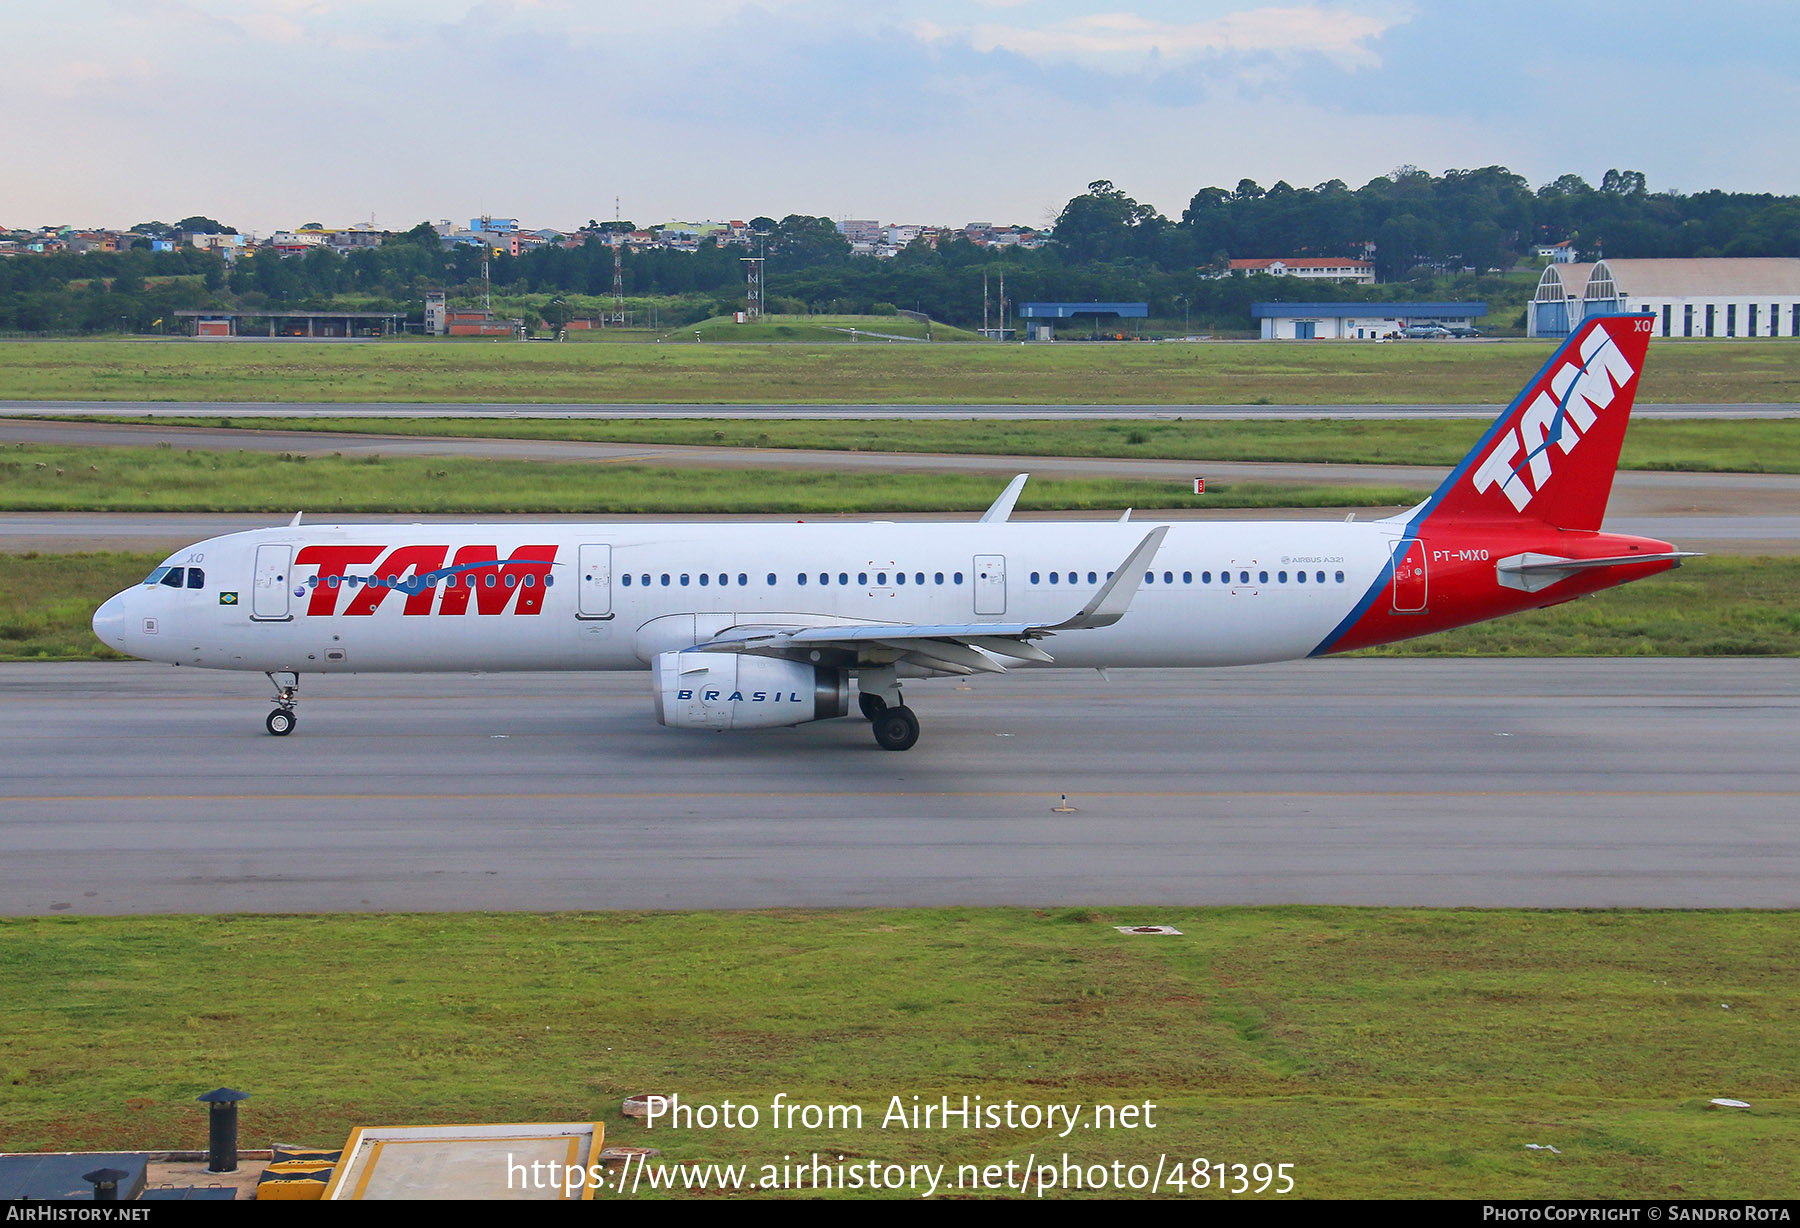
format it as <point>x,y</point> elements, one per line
<point>296,519</point>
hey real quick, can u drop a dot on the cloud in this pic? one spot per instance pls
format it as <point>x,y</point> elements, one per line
<point>1341,36</point>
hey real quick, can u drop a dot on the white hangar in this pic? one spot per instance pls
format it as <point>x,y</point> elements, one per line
<point>1726,297</point>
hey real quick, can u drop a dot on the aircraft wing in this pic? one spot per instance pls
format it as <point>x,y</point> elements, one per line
<point>952,648</point>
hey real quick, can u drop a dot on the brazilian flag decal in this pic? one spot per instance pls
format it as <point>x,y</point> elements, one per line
<point>227,598</point>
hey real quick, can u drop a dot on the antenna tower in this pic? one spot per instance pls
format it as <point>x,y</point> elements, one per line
<point>618,268</point>
<point>753,298</point>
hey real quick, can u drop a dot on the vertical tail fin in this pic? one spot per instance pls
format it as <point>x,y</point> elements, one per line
<point>1552,455</point>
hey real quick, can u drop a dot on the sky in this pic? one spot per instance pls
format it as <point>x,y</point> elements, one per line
<point>268,114</point>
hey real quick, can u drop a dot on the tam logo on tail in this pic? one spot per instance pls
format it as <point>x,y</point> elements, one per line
<point>1556,447</point>
<point>1561,419</point>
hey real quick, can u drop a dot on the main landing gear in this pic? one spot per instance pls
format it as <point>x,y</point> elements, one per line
<point>281,722</point>
<point>895,726</point>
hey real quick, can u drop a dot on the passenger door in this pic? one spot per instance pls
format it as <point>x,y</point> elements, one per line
<point>269,595</point>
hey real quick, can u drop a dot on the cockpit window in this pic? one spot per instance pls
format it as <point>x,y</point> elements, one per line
<point>156,577</point>
<point>196,578</point>
<point>171,577</point>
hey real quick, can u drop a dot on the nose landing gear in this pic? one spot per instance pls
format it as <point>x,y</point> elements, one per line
<point>281,722</point>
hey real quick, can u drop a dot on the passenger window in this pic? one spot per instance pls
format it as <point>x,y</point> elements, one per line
<point>627,579</point>
<point>772,579</point>
<point>956,577</point>
<point>1281,576</point>
<point>704,579</point>
<point>900,577</point>
<point>1340,577</point>
<point>1262,577</point>
<point>1091,579</point>
<point>919,577</point>
<point>1187,577</point>
<point>938,577</point>
<point>843,577</point>
<point>1034,577</point>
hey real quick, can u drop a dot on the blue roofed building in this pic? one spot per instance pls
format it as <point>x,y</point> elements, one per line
<point>1040,318</point>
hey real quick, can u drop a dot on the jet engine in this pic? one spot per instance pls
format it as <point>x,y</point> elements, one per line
<point>728,690</point>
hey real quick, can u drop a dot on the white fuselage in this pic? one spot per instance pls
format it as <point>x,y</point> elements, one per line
<point>619,594</point>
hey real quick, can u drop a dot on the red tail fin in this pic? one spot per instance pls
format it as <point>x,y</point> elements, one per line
<point>1551,456</point>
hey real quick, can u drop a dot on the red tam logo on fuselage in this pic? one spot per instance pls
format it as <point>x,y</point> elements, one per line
<point>513,585</point>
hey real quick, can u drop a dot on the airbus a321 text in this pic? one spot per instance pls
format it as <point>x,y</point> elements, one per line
<point>752,626</point>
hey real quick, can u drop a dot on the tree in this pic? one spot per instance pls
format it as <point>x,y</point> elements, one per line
<point>198,225</point>
<point>1105,224</point>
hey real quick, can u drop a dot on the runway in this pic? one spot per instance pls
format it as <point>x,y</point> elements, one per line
<point>1535,783</point>
<point>1716,512</point>
<point>329,409</point>
<point>166,532</point>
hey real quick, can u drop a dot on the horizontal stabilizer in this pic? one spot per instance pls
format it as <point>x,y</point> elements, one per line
<point>1531,573</point>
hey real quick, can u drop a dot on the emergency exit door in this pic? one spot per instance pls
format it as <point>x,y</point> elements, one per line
<point>990,584</point>
<point>594,582</point>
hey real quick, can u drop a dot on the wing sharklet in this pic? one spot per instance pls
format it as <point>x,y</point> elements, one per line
<point>1002,507</point>
<point>1108,605</point>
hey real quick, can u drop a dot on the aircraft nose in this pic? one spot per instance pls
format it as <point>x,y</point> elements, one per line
<point>113,622</point>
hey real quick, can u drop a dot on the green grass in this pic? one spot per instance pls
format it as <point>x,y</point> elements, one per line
<point>828,330</point>
<point>677,372</point>
<point>1728,445</point>
<point>47,602</point>
<point>34,478</point>
<point>1717,606</point>
<point>1381,1052</point>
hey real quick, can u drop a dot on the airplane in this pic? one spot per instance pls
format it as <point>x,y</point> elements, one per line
<point>752,626</point>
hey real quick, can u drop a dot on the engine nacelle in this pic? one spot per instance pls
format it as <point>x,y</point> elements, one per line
<point>729,690</point>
